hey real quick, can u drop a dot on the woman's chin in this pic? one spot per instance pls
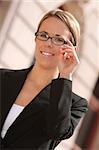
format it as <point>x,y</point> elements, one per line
<point>48,65</point>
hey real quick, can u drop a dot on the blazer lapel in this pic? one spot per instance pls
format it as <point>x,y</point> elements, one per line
<point>11,84</point>
<point>35,106</point>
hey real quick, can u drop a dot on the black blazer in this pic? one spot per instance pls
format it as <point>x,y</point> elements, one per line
<point>51,117</point>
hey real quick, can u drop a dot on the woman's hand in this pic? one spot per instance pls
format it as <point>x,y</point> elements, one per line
<point>68,61</point>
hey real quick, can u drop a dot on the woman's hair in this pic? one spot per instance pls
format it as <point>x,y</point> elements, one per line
<point>69,21</point>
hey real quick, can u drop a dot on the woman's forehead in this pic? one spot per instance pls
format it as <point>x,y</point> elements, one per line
<point>54,25</point>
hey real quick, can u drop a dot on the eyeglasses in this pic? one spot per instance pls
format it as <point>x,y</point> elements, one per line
<point>57,40</point>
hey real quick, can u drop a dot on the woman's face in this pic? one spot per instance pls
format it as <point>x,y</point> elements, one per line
<point>47,54</point>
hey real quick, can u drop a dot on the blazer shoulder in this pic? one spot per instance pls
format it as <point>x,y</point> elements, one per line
<point>78,101</point>
<point>77,97</point>
<point>11,72</point>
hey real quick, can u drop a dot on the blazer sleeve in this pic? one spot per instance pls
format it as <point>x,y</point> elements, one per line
<point>64,111</point>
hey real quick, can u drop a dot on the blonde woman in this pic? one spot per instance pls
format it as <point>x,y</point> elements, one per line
<point>39,108</point>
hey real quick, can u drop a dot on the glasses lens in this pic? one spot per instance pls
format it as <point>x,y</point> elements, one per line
<point>58,40</point>
<point>42,36</point>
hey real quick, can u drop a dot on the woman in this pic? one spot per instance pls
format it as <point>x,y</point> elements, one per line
<point>39,108</point>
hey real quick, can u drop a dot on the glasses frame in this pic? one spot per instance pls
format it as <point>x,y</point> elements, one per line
<point>49,37</point>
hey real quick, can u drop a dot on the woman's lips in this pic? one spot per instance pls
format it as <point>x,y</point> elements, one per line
<point>47,53</point>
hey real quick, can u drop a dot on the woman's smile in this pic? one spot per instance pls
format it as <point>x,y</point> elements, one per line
<point>47,54</point>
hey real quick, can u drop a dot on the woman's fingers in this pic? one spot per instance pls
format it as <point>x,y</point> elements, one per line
<point>69,43</point>
<point>69,53</point>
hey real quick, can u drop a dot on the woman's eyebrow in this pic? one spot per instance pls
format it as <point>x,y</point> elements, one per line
<point>58,35</point>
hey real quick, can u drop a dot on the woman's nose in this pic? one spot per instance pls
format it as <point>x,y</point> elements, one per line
<point>49,42</point>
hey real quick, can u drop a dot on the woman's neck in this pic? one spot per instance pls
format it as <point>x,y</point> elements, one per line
<point>42,76</point>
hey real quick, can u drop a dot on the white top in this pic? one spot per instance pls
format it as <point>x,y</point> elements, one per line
<point>12,115</point>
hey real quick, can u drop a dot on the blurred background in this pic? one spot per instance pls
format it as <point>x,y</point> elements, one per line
<point>18,22</point>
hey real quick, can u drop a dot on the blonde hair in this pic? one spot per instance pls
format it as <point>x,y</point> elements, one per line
<point>69,20</point>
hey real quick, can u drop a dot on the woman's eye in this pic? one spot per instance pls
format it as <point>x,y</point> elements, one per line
<point>43,35</point>
<point>59,39</point>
